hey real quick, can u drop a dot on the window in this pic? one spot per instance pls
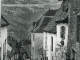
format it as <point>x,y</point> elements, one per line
<point>46,58</point>
<point>33,37</point>
<point>51,43</point>
<point>62,33</point>
<point>46,43</point>
<point>73,57</point>
<point>52,57</point>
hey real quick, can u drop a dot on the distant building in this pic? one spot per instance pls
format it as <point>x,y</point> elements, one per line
<point>38,35</point>
<point>51,33</point>
<point>58,26</point>
<point>3,37</point>
<point>7,45</point>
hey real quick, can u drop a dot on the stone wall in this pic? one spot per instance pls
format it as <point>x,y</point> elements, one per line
<point>72,38</point>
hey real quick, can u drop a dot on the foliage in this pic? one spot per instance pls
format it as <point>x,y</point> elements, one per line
<point>40,50</point>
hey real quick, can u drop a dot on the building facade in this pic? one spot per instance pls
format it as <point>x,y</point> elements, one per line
<point>49,45</point>
<point>53,27</point>
<point>7,46</point>
<point>62,39</point>
<point>3,38</point>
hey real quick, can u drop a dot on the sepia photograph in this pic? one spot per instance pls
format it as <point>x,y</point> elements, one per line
<point>39,29</point>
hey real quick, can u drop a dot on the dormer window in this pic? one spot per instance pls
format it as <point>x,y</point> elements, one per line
<point>62,33</point>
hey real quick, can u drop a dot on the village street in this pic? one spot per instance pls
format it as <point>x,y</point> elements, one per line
<point>39,30</point>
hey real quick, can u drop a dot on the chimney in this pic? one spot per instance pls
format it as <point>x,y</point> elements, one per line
<point>34,25</point>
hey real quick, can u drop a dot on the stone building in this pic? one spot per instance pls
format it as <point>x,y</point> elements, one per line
<point>73,44</point>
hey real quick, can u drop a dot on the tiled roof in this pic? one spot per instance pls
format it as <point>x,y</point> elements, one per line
<point>50,12</point>
<point>43,21</point>
<point>47,22</point>
<point>4,22</point>
<point>51,26</point>
<point>12,42</point>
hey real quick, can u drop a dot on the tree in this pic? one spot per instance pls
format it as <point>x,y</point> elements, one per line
<point>41,50</point>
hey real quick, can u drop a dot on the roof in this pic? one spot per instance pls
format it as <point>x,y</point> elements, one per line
<point>47,22</point>
<point>63,21</point>
<point>4,22</point>
<point>12,43</point>
<point>42,24</point>
<point>50,12</point>
<point>59,16</point>
<point>44,20</point>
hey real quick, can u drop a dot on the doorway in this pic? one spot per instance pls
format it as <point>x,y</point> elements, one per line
<point>73,53</point>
